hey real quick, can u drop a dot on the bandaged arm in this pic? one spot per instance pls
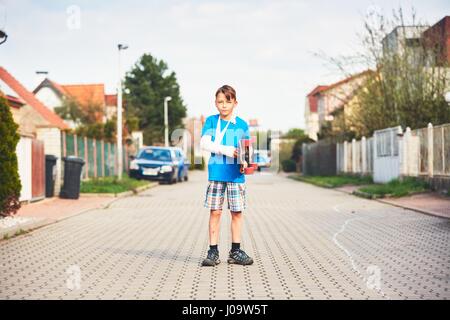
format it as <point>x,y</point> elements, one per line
<point>207,144</point>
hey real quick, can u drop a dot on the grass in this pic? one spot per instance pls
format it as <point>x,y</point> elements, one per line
<point>397,188</point>
<point>334,181</point>
<point>111,185</point>
<point>16,234</point>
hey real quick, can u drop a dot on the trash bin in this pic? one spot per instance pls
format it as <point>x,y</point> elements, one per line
<point>50,175</point>
<point>72,177</point>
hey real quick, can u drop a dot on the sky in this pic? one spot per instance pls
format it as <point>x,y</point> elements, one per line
<point>266,50</point>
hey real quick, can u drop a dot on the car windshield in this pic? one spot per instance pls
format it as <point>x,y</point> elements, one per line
<point>155,154</point>
<point>260,158</point>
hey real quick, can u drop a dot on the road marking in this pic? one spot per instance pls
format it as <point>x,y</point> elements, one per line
<point>355,268</point>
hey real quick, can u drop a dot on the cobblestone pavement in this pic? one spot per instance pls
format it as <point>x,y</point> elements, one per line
<point>307,243</point>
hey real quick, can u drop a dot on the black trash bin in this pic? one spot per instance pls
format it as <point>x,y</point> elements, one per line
<point>72,177</point>
<point>50,175</point>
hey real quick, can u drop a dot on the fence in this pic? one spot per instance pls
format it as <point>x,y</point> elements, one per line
<point>389,154</point>
<point>319,158</point>
<point>355,157</point>
<point>31,168</point>
<point>99,156</point>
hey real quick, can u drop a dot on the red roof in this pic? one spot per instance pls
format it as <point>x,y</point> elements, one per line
<point>111,100</point>
<point>86,94</point>
<point>312,97</point>
<point>348,79</point>
<point>14,101</point>
<point>31,100</point>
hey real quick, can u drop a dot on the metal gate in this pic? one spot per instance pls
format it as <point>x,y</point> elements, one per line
<point>37,170</point>
<point>386,156</point>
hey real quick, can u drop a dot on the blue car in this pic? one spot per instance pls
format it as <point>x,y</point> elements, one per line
<point>262,161</point>
<point>159,164</point>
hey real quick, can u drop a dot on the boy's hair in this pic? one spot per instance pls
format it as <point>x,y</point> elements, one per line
<point>228,91</point>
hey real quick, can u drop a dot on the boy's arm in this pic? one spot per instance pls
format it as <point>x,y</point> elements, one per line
<point>207,145</point>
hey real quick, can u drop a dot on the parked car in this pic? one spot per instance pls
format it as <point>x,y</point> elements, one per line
<point>183,165</point>
<point>158,164</point>
<point>262,161</point>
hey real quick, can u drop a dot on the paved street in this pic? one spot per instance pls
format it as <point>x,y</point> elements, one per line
<point>307,243</point>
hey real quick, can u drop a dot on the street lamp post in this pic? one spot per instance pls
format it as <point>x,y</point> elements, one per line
<point>119,117</point>
<point>166,121</point>
<point>3,36</point>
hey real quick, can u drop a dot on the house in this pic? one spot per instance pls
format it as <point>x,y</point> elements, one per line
<point>90,97</point>
<point>336,95</point>
<point>311,112</point>
<point>437,40</point>
<point>191,139</point>
<point>403,37</point>
<point>40,130</point>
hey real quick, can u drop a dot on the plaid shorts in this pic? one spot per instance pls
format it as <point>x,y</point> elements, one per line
<point>236,195</point>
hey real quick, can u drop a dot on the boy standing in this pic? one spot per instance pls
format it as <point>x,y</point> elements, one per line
<point>220,136</point>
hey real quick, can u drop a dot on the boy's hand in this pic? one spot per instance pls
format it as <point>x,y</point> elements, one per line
<point>236,152</point>
<point>243,166</point>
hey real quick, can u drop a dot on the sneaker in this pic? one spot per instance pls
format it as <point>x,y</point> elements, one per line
<point>239,257</point>
<point>212,259</point>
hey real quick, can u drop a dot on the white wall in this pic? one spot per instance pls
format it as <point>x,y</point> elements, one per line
<point>52,145</point>
<point>312,125</point>
<point>23,152</point>
<point>49,98</point>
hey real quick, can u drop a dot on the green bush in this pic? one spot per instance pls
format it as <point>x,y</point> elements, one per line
<point>289,165</point>
<point>9,176</point>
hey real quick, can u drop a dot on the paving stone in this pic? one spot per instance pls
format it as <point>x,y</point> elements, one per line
<point>307,243</point>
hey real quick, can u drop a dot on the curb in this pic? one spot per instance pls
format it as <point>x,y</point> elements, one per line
<point>44,222</point>
<point>429,213</point>
<point>26,227</point>
<point>380,198</point>
<point>327,186</point>
<point>366,195</point>
<point>122,194</point>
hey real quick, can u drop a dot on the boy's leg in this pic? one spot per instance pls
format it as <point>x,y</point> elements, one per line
<point>236,194</point>
<point>237,203</point>
<point>236,226</point>
<point>214,201</point>
<point>214,226</point>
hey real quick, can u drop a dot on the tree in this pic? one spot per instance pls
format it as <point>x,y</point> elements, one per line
<point>10,185</point>
<point>86,114</point>
<point>408,85</point>
<point>300,137</point>
<point>146,86</point>
<point>69,110</point>
<point>295,133</point>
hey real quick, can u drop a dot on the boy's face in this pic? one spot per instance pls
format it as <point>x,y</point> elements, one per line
<point>225,107</point>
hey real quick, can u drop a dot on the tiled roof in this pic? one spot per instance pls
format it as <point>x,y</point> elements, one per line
<point>348,79</point>
<point>31,100</point>
<point>86,94</point>
<point>312,98</point>
<point>14,101</point>
<point>111,99</point>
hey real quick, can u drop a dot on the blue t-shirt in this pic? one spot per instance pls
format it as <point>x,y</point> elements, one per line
<point>221,167</point>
